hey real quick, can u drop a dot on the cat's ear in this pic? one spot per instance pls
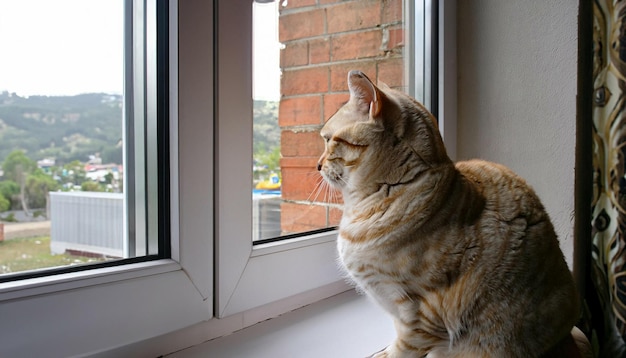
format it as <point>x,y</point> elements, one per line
<point>364,94</point>
<point>383,86</point>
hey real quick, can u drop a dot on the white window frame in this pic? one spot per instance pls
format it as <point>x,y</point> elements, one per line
<point>254,275</point>
<point>96,310</point>
<point>250,276</point>
<point>447,75</point>
<point>425,54</point>
<point>103,309</point>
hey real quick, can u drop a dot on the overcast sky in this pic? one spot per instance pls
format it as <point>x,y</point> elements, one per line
<point>67,47</point>
<point>61,47</point>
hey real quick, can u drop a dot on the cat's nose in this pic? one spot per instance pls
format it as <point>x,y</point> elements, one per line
<point>320,161</point>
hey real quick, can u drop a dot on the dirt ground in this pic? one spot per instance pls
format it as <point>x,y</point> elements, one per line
<point>28,229</point>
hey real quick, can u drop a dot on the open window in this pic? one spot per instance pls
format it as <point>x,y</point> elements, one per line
<point>215,256</point>
<point>278,240</point>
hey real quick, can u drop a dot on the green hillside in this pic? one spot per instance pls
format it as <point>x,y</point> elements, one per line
<point>63,127</point>
<point>70,128</point>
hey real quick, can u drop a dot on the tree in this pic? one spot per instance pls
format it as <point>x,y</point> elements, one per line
<point>74,172</point>
<point>113,155</point>
<point>38,187</point>
<point>91,186</point>
<point>10,190</point>
<point>16,164</point>
<point>108,178</point>
<point>5,204</point>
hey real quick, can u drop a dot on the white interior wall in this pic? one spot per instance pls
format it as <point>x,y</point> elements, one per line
<point>517,95</point>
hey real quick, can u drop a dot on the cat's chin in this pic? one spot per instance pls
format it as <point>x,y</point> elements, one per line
<point>335,185</point>
<point>335,182</point>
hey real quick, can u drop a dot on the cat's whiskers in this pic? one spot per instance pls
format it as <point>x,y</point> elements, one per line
<point>344,181</point>
<point>327,192</point>
<point>316,189</point>
<point>321,187</point>
<point>330,193</point>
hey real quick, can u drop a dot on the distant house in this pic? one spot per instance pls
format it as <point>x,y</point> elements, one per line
<point>97,172</point>
<point>46,163</point>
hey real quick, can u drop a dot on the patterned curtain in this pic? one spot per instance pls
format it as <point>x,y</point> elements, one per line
<point>608,261</point>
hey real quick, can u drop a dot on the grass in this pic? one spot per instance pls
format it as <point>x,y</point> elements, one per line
<point>17,255</point>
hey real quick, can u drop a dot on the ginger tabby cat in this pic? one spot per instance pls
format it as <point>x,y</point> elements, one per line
<point>463,257</point>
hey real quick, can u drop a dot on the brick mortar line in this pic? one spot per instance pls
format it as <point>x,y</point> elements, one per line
<point>315,203</point>
<point>348,32</point>
<point>316,94</point>
<point>302,128</point>
<point>342,62</point>
<point>308,8</point>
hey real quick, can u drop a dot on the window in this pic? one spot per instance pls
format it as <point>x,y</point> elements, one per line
<point>302,54</point>
<point>82,112</point>
<point>214,269</point>
<point>93,303</point>
<point>319,44</point>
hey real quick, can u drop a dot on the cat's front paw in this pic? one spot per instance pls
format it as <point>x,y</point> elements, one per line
<point>392,352</point>
<point>380,354</point>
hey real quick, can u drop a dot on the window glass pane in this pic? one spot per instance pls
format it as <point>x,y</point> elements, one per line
<point>302,54</point>
<point>64,132</point>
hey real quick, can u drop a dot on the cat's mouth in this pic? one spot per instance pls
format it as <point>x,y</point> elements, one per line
<point>333,178</point>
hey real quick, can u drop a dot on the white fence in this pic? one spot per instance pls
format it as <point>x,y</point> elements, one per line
<point>265,216</point>
<point>90,222</point>
<point>87,222</point>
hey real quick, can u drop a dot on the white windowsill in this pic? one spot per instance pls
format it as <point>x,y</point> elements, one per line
<point>296,243</point>
<point>346,325</point>
<point>70,281</point>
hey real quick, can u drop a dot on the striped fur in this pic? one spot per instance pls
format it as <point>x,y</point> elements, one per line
<point>464,257</point>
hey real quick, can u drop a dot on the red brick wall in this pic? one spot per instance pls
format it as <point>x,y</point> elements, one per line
<point>323,40</point>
